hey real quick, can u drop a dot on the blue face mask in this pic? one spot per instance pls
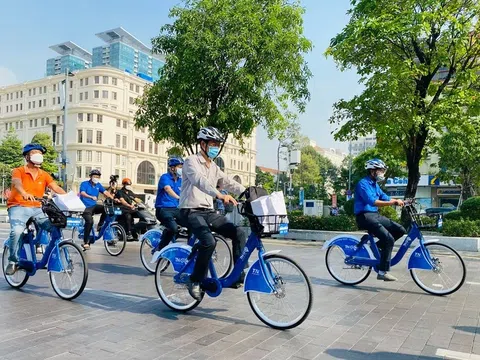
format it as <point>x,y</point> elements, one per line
<point>179,172</point>
<point>213,152</point>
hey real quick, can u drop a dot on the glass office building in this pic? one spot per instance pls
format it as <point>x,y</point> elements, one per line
<point>72,57</point>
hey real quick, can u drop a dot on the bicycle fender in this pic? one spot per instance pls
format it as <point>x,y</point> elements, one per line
<point>153,236</point>
<point>256,279</point>
<point>348,244</point>
<point>418,258</point>
<point>177,254</point>
<point>54,263</point>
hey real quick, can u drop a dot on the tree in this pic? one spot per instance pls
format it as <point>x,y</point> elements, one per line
<point>11,150</point>
<point>460,158</point>
<point>50,157</point>
<point>175,151</point>
<point>418,61</point>
<point>289,139</point>
<point>264,179</point>
<point>232,64</point>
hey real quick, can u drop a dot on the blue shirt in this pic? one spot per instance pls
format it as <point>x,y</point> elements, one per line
<point>92,190</point>
<point>164,200</point>
<point>220,204</point>
<point>367,192</point>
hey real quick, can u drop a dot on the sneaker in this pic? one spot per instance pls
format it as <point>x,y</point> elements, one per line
<point>11,269</point>
<point>195,291</point>
<point>239,283</point>
<point>386,277</point>
<point>129,237</point>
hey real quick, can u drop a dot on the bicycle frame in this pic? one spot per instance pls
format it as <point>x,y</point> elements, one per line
<point>105,230</point>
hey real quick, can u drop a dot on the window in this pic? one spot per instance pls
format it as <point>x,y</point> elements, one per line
<point>90,117</point>
<point>29,105</point>
<point>79,155</point>
<point>105,94</point>
<point>86,81</point>
<point>146,173</point>
<point>53,101</point>
<point>47,121</point>
<point>114,95</point>
<point>43,120</point>
<point>58,100</point>
<point>96,94</point>
<point>16,107</point>
<point>87,170</point>
<point>142,130</point>
<point>35,122</point>
<point>81,96</point>
<point>97,79</point>
<point>117,141</point>
<point>57,140</point>
<point>58,120</point>
<point>119,122</point>
<point>99,156</point>
<point>114,81</point>
<point>117,172</point>
<point>143,145</point>
<point>39,103</point>
<point>33,90</point>
<point>45,101</point>
<point>31,124</point>
<point>124,174</point>
<point>137,88</point>
<point>124,142</point>
<point>70,98</point>
<point>89,156</point>
<point>89,136</point>
<point>80,136</point>
<point>105,80</point>
<point>79,172</point>
<point>124,160</point>
<point>131,100</point>
<point>80,117</point>
<point>40,90</point>
<point>86,95</point>
<point>21,124</point>
<point>125,124</point>
<point>6,126</point>
<point>81,82</point>
<point>21,94</point>
<point>29,93</point>
<point>16,125</point>
<point>117,159</point>
<point>45,89</point>
<point>131,87</point>
<point>54,87</point>
<point>99,137</point>
<point>156,149</point>
<point>21,107</point>
<point>71,84</point>
<point>137,142</point>
<point>99,118</point>
<point>150,147</point>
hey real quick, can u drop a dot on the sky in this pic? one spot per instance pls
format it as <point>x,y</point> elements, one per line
<point>25,41</point>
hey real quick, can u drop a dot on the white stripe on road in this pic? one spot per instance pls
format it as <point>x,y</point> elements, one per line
<point>113,294</point>
<point>449,354</point>
<point>473,283</point>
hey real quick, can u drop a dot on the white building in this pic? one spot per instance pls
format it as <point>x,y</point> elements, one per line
<point>362,144</point>
<point>100,129</point>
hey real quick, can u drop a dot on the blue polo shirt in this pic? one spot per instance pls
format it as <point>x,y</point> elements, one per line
<point>367,192</point>
<point>164,200</point>
<point>92,190</point>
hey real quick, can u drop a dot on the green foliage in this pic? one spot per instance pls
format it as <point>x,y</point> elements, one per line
<point>470,208</point>
<point>465,228</point>
<point>330,223</point>
<point>11,150</point>
<point>175,151</point>
<point>453,215</point>
<point>233,64</point>
<point>397,48</point>
<point>264,179</point>
<point>49,159</point>
<point>349,207</point>
<point>388,212</point>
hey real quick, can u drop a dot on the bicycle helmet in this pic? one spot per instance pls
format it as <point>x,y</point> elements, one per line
<point>373,164</point>
<point>174,161</point>
<point>95,172</point>
<point>126,181</point>
<point>33,146</point>
<point>210,133</point>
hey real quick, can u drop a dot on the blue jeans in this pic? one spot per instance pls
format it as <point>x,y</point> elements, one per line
<point>19,216</point>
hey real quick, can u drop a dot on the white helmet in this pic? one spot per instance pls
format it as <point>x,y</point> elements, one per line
<point>210,133</point>
<point>375,164</point>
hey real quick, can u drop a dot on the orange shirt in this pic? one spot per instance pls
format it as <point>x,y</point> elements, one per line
<point>35,187</point>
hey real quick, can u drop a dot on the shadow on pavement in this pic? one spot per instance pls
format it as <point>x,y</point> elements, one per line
<point>470,329</point>
<point>381,355</point>
<point>118,269</point>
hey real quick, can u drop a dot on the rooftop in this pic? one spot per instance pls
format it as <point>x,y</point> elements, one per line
<point>70,48</point>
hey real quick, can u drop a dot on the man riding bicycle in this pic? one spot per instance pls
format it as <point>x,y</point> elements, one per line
<point>127,199</point>
<point>28,182</point>
<point>200,176</point>
<point>166,203</point>
<point>368,198</point>
<point>89,191</point>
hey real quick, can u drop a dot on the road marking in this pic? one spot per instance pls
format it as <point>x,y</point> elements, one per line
<point>449,354</point>
<point>114,294</point>
<point>473,283</point>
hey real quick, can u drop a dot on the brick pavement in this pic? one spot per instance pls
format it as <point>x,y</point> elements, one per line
<point>119,316</point>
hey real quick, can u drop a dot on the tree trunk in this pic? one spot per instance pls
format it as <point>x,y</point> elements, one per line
<point>468,189</point>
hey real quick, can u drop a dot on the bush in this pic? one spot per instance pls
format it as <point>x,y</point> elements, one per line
<point>454,215</point>
<point>295,213</point>
<point>330,223</point>
<point>348,207</point>
<point>466,228</point>
<point>471,208</point>
<point>388,212</point>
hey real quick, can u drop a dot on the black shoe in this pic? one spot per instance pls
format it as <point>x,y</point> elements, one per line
<point>239,283</point>
<point>130,237</point>
<point>195,290</point>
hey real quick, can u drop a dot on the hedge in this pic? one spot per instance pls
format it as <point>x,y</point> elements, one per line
<point>461,228</point>
<point>454,215</point>
<point>470,209</point>
<point>329,223</point>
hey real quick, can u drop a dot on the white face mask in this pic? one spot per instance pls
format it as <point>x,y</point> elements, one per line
<point>179,172</point>
<point>128,187</point>
<point>95,180</point>
<point>37,159</point>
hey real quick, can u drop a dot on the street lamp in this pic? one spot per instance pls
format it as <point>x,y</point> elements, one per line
<point>111,158</point>
<point>64,141</point>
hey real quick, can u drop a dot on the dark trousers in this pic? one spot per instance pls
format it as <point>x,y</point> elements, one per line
<point>202,223</point>
<point>88,216</point>
<point>167,217</point>
<point>127,219</point>
<point>387,232</point>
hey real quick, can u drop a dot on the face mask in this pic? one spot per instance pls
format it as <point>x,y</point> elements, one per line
<point>179,172</point>
<point>37,159</point>
<point>213,152</point>
<point>380,177</point>
<point>95,180</point>
<point>128,187</point>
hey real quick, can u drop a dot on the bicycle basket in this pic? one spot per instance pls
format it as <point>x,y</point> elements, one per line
<point>55,215</point>
<point>268,224</point>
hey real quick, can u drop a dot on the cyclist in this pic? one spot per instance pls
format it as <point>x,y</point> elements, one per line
<point>28,182</point>
<point>127,198</point>
<point>89,191</point>
<point>166,203</point>
<point>200,176</point>
<point>368,198</point>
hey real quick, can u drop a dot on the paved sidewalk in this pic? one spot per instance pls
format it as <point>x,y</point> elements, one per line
<point>119,316</point>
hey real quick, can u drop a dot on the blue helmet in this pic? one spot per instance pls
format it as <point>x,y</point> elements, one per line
<point>375,164</point>
<point>175,161</point>
<point>33,146</point>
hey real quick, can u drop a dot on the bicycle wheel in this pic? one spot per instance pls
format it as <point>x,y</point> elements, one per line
<point>146,255</point>
<point>75,239</point>
<point>222,257</point>
<point>343,273</point>
<point>70,283</point>
<point>448,274</point>
<point>16,280</point>
<point>292,300</point>
<point>175,296</point>
<point>116,245</point>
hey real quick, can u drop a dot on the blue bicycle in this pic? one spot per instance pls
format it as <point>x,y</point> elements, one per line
<point>278,290</point>
<point>113,234</point>
<point>435,267</point>
<point>63,260</point>
<point>222,255</point>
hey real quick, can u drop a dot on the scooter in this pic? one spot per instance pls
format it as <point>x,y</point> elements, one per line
<point>143,220</point>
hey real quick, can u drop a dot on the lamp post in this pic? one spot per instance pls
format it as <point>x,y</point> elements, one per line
<point>111,159</point>
<point>3,188</point>
<point>64,132</point>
